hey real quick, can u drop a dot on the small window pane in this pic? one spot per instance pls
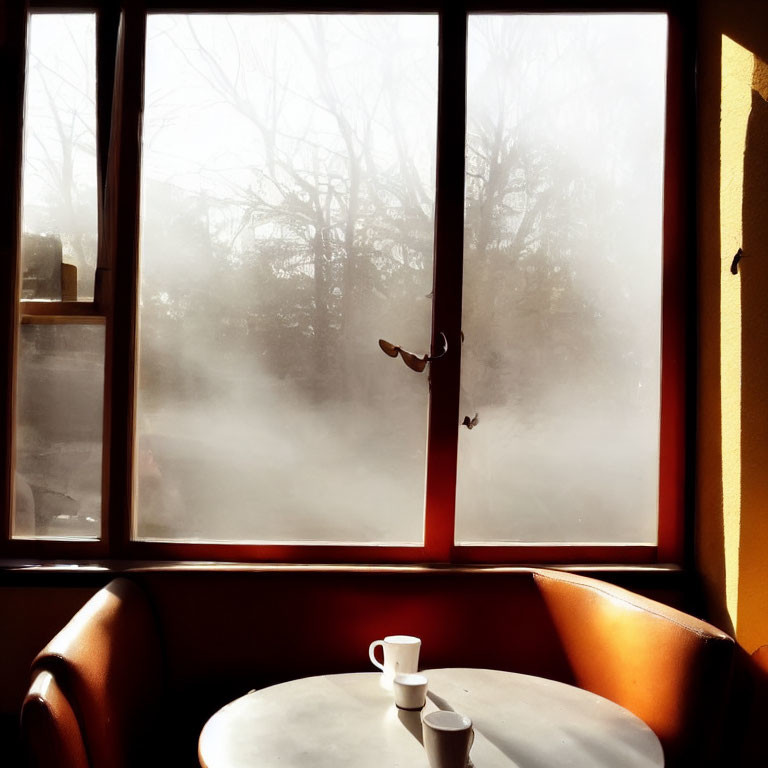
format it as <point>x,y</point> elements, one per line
<point>562,279</point>
<point>58,247</point>
<point>58,431</point>
<point>287,222</point>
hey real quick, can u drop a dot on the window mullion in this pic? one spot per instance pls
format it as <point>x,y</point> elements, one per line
<point>675,496</point>
<point>107,31</point>
<point>446,316</point>
<point>13,36</point>
<point>120,273</point>
<point>107,41</point>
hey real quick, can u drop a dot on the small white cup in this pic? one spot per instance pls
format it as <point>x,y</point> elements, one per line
<point>401,656</point>
<point>448,737</point>
<point>410,691</point>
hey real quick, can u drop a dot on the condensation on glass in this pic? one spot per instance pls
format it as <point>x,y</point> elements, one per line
<point>57,477</point>
<point>59,209</point>
<point>562,279</point>
<point>287,225</point>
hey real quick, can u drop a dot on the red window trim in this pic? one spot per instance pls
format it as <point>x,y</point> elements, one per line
<point>116,300</point>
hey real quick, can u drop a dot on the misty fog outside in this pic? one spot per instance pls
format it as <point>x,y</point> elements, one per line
<point>562,279</point>
<point>60,373</point>
<point>58,430</point>
<point>287,225</point>
<point>59,172</point>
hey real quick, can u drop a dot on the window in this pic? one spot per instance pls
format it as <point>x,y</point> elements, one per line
<point>226,260</point>
<point>60,352</point>
<point>287,222</point>
<point>562,278</point>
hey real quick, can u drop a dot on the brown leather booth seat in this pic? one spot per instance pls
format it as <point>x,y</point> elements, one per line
<point>147,660</point>
<point>51,729</point>
<point>107,670</point>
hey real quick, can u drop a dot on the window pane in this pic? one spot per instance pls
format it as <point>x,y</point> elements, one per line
<point>58,431</point>
<point>58,248</point>
<point>287,225</point>
<point>562,292</point>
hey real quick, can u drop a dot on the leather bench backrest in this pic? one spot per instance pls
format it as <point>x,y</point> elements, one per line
<point>107,661</point>
<point>49,728</point>
<point>219,634</point>
<point>272,626</point>
<point>671,669</point>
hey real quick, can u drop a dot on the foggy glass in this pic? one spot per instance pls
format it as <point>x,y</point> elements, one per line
<point>58,431</point>
<point>287,218</point>
<point>562,279</point>
<point>59,211</point>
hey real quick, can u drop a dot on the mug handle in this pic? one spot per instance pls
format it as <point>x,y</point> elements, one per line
<point>372,655</point>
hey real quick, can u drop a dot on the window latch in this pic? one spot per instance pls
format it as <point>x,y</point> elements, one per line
<point>414,362</point>
<point>735,262</point>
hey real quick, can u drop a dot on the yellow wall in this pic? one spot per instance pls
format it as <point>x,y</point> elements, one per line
<point>732,473</point>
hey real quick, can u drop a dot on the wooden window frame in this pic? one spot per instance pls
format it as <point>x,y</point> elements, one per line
<point>120,55</point>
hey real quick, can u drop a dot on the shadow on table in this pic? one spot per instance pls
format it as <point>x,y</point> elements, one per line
<point>521,756</point>
<point>440,702</point>
<point>412,721</point>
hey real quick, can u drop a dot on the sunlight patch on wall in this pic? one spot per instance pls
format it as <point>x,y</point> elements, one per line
<point>753,566</point>
<point>735,105</point>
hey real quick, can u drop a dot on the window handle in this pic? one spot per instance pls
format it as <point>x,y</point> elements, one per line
<point>414,362</point>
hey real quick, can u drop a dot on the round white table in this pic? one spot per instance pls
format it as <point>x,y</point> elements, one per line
<point>350,720</point>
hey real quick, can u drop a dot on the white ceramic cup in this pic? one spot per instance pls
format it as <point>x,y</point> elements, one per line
<point>401,655</point>
<point>410,690</point>
<point>448,737</point>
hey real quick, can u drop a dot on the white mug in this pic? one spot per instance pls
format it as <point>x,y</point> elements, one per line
<point>401,655</point>
<point>410,691</point>
<point>448,737</point>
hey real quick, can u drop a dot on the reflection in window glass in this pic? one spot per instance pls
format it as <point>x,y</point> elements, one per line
<point>58,431</point>
<point>562,279</point>
<point>58,247</point>
<point>287,191</point>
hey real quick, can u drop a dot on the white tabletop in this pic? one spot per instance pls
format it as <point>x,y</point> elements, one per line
<point>350,720</point>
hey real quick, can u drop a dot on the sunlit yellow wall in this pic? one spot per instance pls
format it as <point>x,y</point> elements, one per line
<point>735,102</point>
<point>752,617</point>
<point>732,471</point>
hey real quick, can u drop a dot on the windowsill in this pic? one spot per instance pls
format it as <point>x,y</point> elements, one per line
<point>667,583</point>
<point>120,566</point>
<point>21,568</point>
